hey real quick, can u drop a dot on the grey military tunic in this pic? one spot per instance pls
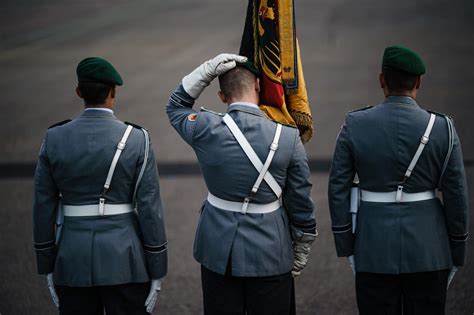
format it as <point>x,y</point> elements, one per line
<point>378,144</point>
<point>257,244</point>
<point>97,250</point>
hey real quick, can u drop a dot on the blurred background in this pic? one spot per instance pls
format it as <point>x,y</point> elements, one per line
<point>154,44</point>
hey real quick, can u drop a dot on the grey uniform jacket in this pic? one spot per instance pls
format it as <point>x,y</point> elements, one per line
<point>254,244</point>
<point>97,250</point>
<point>378,144</point>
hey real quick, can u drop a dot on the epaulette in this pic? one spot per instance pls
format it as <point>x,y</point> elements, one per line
<point>134,125</point>
<point>360,109</point>
<point>59,123</point>
<point>204,109</point>
<point>439,114</point>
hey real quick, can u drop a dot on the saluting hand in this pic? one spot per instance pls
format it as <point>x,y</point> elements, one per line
<point>195,82</point>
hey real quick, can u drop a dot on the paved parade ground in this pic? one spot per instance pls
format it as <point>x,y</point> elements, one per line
<point>153,44</point>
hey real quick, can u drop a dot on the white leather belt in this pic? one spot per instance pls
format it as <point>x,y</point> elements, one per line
<point>237,206</point>
<point>372,196</point>
<point>93,210</point>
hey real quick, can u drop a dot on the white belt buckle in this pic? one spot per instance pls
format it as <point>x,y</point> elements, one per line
<point>101,206</point>
<point>398,196</point>
<point>245,205</point>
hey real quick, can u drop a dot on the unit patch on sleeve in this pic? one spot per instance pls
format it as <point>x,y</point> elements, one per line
<point>192,117</point>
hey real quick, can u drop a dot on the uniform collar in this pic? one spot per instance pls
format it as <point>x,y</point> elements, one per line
<point>98,113</point>
<point>99,108</point>
<point>245,107</point>
<point>400,100</point>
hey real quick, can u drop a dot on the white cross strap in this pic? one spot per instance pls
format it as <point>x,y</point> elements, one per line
<point>253,157</point>
<point>424,140</point>
<point>268,161</point>
<point>118,152</point>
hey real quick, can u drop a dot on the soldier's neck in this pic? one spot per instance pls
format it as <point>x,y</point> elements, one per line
<point>109,104</point>
<point>411,94</point>
<point>244,99</point>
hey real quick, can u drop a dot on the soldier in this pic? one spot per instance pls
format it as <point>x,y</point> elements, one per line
<point>104,174</point>
<point>406,241</point>
<point>258,212</point>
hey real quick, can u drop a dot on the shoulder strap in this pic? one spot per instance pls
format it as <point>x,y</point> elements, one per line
<point>253,157</point>
<point>118,152</point>
<point>59,123</point>
<point>142,170</point>
<point>424,140</point>
<point>450,148</point>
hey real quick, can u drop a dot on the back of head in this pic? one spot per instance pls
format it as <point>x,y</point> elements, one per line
<point>237,83</point>
<point>94,93</point>
<point>399,81</point>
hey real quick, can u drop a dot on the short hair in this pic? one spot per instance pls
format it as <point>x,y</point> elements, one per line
<point>94,93</point>
<point>236,82</point>
<point>398,80</point>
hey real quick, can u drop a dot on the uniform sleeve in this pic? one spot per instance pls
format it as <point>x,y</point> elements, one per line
<point>181,115</point>
<point>340,182</point>
<point>297,195</point>
<point>45,204</point>
<point>150,218</point>
<point>456,203</point>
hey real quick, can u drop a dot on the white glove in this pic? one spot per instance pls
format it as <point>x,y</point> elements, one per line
<point>350,259</point>
<point>195,82</point>
<point>301,250</point>
<point>54,296</point>
<point>453,271</point>
<point>153,295</point>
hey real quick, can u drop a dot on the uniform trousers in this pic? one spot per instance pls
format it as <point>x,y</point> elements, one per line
<point>230,295</point>
<point>410,293</point>
<point>114,299</point>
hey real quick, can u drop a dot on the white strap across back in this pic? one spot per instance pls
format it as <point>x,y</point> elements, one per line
<point>253,157</point>
<point>399,195</point>
<point>262,169</point>
<point>101,208</point>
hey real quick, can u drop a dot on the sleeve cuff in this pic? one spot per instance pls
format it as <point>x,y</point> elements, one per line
<point>45,259</point>
<point>157,264</point>
<point>344,240</point>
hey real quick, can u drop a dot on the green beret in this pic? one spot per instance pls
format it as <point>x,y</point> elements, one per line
<point>95,69</point>
<point>404,59</point>
<point>250,67</point>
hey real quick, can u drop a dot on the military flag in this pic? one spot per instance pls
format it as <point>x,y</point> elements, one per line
<point>269,41</point>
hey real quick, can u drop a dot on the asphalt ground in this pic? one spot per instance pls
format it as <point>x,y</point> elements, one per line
<point>154,44</point>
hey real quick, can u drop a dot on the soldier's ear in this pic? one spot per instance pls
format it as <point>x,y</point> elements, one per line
<point>382,81</point>
<point>112,92</point>
<point>222,97</point>
<point>78,92</point>
<point>257,85</point>
<point>418,82</point>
